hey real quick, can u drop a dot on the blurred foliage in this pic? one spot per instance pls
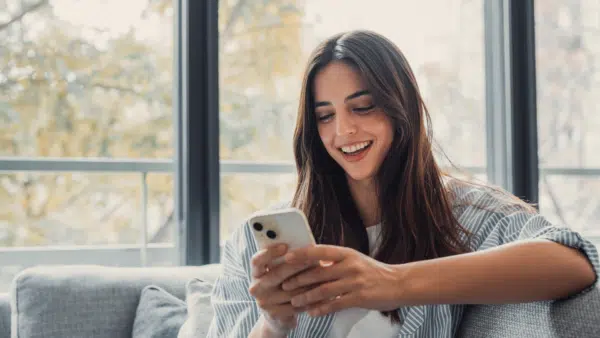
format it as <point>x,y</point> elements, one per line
<point>72,90</point>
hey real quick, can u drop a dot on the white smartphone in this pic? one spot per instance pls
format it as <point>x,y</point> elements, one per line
<point>288,226</point>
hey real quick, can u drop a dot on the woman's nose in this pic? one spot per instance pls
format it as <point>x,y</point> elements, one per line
<point>345,125</point>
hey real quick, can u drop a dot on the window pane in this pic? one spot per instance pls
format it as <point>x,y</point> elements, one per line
<point>49,209</point>
<point>86,78</point>
<point>243,194</point>
<point>568,91</point>
<point>265,45</point>
<point>477,176</point>
<point>579,211</point>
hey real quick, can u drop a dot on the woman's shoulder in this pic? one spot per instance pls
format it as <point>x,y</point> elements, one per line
<point>484,197</point>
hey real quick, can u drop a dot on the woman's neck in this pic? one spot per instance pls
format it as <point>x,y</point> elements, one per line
<point>364,194</point>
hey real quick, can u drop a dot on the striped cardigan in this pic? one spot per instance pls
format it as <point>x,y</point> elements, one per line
<point>486,213</point>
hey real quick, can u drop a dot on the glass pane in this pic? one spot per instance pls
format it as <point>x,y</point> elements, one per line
<point>86,78</point>
<point>580,210</point>
<point>568,91</point>
<point>161,220</point>
<point>47,209</point>
<point>265,45</point>
<point>243,194</point>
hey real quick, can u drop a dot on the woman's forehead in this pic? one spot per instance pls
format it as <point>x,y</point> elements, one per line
<point>336,80</point>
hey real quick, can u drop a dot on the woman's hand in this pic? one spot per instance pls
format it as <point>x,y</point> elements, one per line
<point>278,312</point>
<point>349,279</point>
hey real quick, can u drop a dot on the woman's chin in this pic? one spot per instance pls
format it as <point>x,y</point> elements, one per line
<point>360,176</point>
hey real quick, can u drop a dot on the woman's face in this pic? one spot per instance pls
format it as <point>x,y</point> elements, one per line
<point>356,133</point>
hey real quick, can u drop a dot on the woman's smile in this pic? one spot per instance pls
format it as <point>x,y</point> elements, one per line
<point>357,151</point>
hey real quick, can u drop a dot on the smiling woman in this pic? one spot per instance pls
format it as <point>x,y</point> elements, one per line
<point>406,244</point>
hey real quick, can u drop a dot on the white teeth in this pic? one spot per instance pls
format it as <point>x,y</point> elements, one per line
<point>355,147</point>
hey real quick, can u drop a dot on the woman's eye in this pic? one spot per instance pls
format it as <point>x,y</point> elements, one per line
<point>324,117</point>
<point>364,109</point>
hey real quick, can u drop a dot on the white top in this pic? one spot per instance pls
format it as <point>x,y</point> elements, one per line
<point>358,322</point>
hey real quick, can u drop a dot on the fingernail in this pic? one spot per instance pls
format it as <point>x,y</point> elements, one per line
<point>325,263</point>
<point>281,248</point>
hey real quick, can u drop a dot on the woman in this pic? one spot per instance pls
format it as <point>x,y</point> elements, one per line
<point>405,244</point>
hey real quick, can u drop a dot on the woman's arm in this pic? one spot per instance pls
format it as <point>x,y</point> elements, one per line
<point>516,272</point>
<point>523,271</point>
<point>518,257</point>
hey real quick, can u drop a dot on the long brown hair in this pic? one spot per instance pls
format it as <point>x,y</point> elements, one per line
<point>417,221</point>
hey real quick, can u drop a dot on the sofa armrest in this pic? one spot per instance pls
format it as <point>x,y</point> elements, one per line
<point>89,301</point>
<point>575,317</point>
<point>4,315</point>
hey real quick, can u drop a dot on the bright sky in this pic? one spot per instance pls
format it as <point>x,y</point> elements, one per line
<point>116,17</point>
<point>409,23</point>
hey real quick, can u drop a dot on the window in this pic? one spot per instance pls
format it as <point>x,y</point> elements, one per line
<point>263,50</point>
<point>86,135</point>
<point>568,91</point>
<point>87,139</point>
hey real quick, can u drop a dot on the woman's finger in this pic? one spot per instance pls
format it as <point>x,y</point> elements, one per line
<point>262,260</point>
<point>324,292</point>
<point>280,297</point>
<point>316,253</point>
<point>337,304</point>
<point>266,283</point>
<point>315,275</point>
<point>280,273</point>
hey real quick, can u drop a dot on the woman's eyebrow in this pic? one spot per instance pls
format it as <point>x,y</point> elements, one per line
<point>357,94</point>
<point>349,97</point>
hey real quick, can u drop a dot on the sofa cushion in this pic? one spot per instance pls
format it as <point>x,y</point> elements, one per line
<point>199,309</point>
<point>4,315</point>
<point>89,301</point>
<point>159,314</point>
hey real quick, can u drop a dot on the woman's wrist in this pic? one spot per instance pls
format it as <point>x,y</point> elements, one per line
<point>409,284</point>
<point>273,329</point>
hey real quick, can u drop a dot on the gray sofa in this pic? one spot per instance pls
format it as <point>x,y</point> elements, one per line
<point>95,302</point>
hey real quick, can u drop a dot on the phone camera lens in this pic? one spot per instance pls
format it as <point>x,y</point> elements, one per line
<point>257,226</point>
<point>271,234</point>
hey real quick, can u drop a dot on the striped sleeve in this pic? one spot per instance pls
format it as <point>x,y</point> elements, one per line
<point>235,310</point>
<point>493,221</point>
